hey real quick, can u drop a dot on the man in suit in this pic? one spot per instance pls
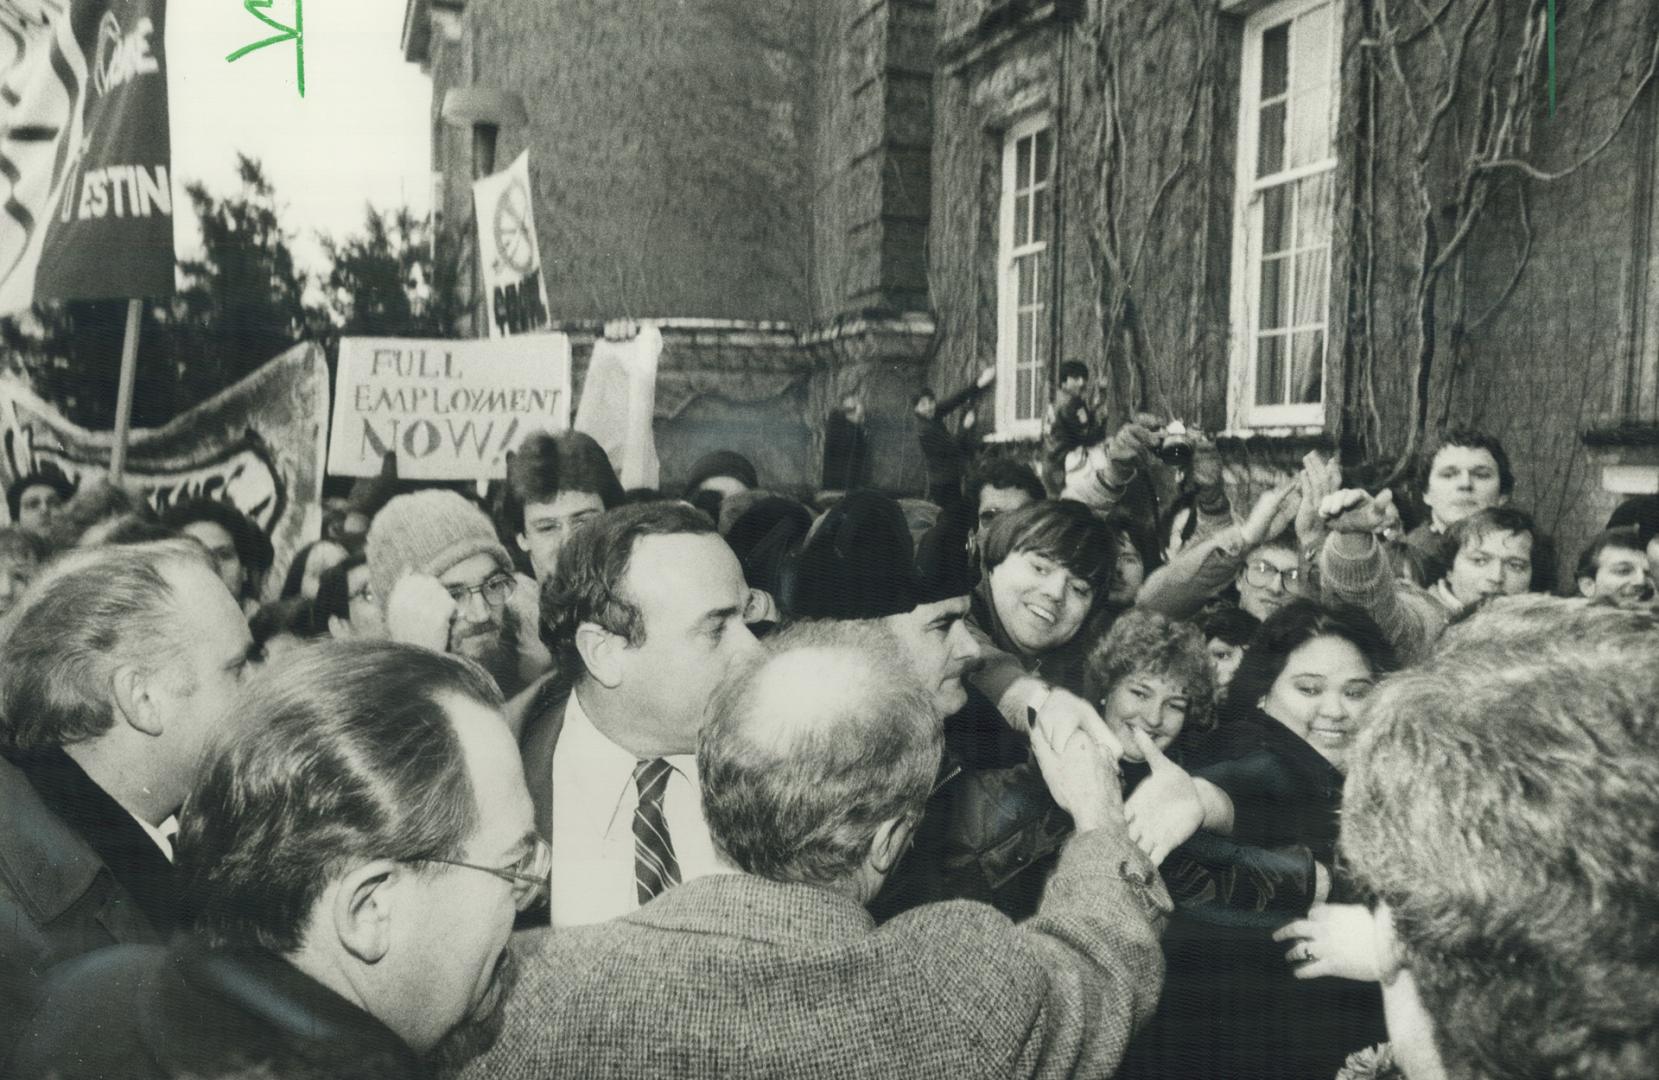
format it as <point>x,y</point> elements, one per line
<point>354,861</point>
<point>644,613</point>
<point>816,760</point>
<point>117,671</point>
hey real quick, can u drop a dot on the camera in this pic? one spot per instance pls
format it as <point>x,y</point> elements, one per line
<point>1175,445</point>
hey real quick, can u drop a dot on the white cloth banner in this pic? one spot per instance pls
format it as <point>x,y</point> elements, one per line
<point>451,409</point>
<point>619,400</point>
<point>507,251</point>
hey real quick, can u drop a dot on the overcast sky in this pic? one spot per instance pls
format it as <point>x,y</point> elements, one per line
<point>360,133</point>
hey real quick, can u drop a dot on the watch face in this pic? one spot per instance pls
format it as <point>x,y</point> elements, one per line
<point>514,231</point>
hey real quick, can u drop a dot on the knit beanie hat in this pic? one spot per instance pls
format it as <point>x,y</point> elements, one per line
<point>427,532</point>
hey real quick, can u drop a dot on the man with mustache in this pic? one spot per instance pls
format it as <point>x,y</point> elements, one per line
<point>354,861</point>
<point>438,534</point>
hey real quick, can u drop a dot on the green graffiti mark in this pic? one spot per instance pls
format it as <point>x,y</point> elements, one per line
<point>295,33</point>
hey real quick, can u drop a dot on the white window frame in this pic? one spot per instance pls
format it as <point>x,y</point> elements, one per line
<point>1010,426</point>
<point>1243,412</point>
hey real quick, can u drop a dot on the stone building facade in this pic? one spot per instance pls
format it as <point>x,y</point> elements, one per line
<point>1341,224</point>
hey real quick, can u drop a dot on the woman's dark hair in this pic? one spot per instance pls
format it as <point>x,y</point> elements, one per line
<point>253,547</point>
<point>1067,532</point>
<point>334,591</point>
<point>1140,535</point>
<point>1188,501</point>
<point>1287,630</point>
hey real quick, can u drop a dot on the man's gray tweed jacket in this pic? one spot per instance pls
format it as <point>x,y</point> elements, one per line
<point>735,976</point>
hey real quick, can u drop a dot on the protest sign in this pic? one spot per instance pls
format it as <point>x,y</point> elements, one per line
<point>619,396</point>
<point>257,445</point>
<point>86,201</point>
<point>450,409</point>
<point>507,251</point>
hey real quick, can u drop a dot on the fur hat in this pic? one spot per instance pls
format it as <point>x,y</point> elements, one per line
<point>858,563</point>
<point>427,532</point>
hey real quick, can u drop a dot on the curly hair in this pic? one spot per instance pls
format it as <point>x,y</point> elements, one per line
<point>1150,643</point>
<point>1502,802</point>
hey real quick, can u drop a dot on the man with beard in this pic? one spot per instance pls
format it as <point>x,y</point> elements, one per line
<point>439,535</point>
<point>355,862</point>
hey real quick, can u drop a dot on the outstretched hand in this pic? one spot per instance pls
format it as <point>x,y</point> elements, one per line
<point>1082,779</point>
<point>1355,511</point>
<point>1165,810</point>
<point>1063,713</point>
<point>1334,939</point>
<point>1273,513</point>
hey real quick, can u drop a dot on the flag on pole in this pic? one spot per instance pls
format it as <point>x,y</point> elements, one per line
<point>86,197</point>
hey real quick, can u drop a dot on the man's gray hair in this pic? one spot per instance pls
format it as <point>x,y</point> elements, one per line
<point>90,613</point>
<point>1502,801</point>
<point>809,749</point>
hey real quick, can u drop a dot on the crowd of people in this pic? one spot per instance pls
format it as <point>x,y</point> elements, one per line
<point>1086,766</point>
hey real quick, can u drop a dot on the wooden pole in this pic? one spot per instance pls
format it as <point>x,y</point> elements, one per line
<point>123,396</point>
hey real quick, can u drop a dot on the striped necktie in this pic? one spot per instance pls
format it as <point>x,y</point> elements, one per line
<point>655,867</point>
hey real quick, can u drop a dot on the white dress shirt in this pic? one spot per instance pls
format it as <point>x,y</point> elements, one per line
<point>162,834</point>
<point>594,798</point>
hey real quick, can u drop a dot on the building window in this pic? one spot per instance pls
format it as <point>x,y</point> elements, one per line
<point>1282,230</point>
<point>1022,277</point>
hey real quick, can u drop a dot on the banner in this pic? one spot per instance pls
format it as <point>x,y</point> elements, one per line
<point>86,200</point>
<point>451,409</point>
<point>257,445</point>
<point>619,400</point>
<point>507,251</point>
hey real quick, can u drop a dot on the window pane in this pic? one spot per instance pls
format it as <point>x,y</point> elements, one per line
<point>1038,320</point>
<point>1313,209</point>
<point>1022,353</point>
<point>1275,60</point>
<point>1276,220</point>
<point>1310,126</point>
<point>1025,267</point>
<point>1310,45</point>
<point>1275,292</point>
<point>1313,288</point>
<point>1045,156</point>
<point>1307,367</point>
<point>1022,220</point>
<point>1040,211</point>
<point>1270,370</point>
<point>1270,140</point>
<point>1022,163</point>
<point>1023,378</point>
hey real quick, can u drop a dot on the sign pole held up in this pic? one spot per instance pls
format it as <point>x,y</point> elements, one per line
<point>123,395</point>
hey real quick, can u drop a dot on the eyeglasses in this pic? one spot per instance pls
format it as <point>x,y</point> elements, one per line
<point>364,594</point>
<point>495,591</point>
<point>1261,573</point>
<point>528,876</point>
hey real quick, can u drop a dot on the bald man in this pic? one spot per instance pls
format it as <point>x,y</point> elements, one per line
<point>816,758</point>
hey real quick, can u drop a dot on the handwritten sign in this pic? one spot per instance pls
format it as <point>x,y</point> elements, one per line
<point>295,33</point>
<point>450,409</point>
<point>507,251</point>
<point>86,200</point>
